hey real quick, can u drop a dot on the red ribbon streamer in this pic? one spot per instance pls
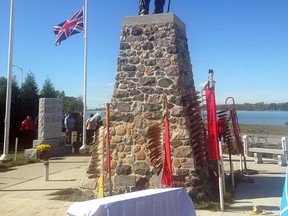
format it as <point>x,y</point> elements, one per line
<point>213,148</point>
<point>167,169</point>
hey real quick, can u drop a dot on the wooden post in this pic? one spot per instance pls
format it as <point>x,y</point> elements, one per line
<point>46,170</point>
<point>232,175</point>
<point>220,187</point>
<point>16,147</point>
<point>221,178</point>
<point>108,148</point>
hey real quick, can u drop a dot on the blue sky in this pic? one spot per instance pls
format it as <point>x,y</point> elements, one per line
<point>245,42</point>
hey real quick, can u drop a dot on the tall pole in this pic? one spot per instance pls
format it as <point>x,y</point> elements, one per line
<point>84,146</point>
<point>5,156</point>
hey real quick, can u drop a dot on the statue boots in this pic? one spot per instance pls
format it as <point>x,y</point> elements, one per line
<point>158,6</point>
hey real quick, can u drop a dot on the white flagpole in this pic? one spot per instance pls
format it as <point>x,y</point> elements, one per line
<point>84,146</point>
<point>5,156</point>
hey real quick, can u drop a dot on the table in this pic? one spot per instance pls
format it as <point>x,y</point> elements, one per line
<point>150,202</point>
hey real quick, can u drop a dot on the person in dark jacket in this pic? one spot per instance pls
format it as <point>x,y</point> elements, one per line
<point>144,6</point>
<point>69,123</point>
<point>79,127</point>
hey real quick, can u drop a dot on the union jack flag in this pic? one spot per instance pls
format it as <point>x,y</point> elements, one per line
<point>70,27</point>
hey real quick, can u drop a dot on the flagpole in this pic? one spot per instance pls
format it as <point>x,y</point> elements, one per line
<point>84,146</point>
<point>5,156</point>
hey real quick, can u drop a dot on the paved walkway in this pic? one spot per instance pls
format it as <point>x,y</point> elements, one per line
<point>263,189</point>
<point>23,190</point>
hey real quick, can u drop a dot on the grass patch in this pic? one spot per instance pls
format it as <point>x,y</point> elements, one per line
<point>215,206</point>
<point>20,160</point>
<point>228,196</point>
<point>71,195</point>
<point>272,129</point>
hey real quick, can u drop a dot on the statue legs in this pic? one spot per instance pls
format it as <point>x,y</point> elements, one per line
<point>158,6</point>
<point>144,7</point>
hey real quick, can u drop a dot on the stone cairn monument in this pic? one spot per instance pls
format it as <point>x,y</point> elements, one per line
<point>154,61</point>
<point>50,128</point>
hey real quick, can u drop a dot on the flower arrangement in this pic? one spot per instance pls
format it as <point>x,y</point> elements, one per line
<point>43,151</point>
<point>43,148</point>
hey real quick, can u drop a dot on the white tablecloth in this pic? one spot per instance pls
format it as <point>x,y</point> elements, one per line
<point>151,202</point>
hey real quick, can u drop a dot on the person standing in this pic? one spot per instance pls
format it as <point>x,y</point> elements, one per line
<point>28,128</point>
<point>69,123</point>
<point>144,6</point>
<point>99,123</point>
<point>90,127</point>
<point>79,127</point>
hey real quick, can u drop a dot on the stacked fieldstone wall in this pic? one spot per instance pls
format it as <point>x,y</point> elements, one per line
<point>153,61</point>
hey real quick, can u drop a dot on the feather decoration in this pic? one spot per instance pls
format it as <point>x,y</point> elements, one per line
<point>155,145</point>
<point>197,130</point>
<point>94,167</point>
<point>159,147</point>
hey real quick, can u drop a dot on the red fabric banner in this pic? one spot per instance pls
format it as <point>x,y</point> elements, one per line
<point>213,148</point>
<point>167,168</point>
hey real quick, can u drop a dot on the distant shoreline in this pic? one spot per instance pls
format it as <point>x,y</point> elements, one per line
<point>97,109</point>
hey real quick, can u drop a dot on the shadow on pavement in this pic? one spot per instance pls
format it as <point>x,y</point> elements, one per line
<point>249,208</point>
<point>62,180</point>
<point>50,189</point>
<point>7,169</point>
<point>67,162</point>
<point>263,187</point>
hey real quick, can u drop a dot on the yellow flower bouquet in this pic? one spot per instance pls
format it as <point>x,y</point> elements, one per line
<point>43,151</point>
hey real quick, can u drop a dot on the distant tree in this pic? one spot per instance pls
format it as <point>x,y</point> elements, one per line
<point>60,94</point>
<point>273,106</point>
<point>3,82</point>
<point>48,90</point>
<point>29,96</point>
<point>15,121</point>
<point>284,106</point>
<point>248,106</point>
<point>260,106</point>
<point>72,104</point>
<point>14,108</point>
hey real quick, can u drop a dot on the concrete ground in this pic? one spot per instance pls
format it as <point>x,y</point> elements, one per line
<point>263,189</point>
<point>23,190</point>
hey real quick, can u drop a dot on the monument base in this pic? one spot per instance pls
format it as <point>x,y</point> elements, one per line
<point>51,142</point>
<point>58,148</point>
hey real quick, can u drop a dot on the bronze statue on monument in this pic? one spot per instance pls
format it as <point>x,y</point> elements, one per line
<point>144,6</point>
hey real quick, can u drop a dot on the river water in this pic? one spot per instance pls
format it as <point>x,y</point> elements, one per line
<point>277,118</point>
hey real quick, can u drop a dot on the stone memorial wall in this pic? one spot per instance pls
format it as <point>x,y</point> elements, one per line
<point>50,118</point>
<point>50,128</point>
<point>154,61</point>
